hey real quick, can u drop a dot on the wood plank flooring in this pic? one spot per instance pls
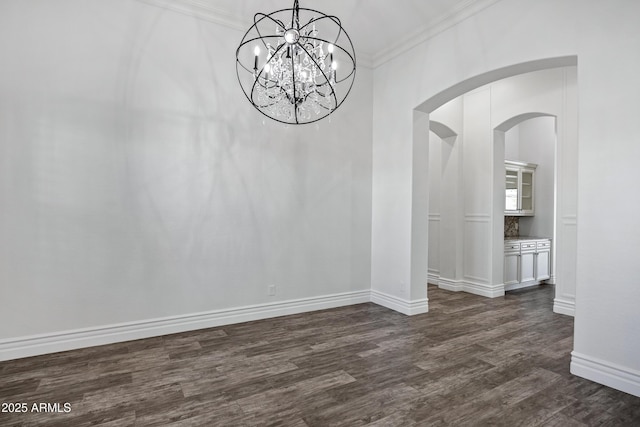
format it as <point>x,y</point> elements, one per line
<point>469,361</point>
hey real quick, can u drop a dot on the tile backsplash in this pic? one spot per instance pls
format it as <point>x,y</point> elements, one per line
<point>511,226</point>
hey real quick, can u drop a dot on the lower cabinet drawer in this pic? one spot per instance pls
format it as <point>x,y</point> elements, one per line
<point>512,247</point>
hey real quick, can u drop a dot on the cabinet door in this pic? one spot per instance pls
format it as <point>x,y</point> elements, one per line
<point>511,268</point>
<point>526,191</point>
<point>543,265</point>
<point>519,189</point>
<point>527,273</point>
<point>512,191</point>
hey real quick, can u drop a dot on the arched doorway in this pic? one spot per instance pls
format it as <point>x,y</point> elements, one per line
<point>481,226</point>
<point>539,148</point>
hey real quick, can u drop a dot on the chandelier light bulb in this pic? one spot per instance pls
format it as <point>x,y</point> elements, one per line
<point>256,52</point>
<point>297,83</point>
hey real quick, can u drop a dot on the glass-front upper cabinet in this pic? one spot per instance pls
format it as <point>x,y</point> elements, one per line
<point>512,190</point>
<point>519,188</point>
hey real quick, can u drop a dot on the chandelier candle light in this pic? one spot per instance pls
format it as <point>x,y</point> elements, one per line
<point>296,72</point>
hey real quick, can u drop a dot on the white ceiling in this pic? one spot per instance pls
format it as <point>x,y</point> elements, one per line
<point>379,29</point>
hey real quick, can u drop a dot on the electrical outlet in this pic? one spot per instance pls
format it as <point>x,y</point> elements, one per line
<point>272,290</point>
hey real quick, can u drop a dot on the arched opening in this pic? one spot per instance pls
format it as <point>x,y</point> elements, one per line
<point>528,138</point>
<point>516,120</point>
<point>482,222</point>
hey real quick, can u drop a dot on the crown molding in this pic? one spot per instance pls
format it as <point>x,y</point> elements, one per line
<point>201,9</point>
<point>463,10</point>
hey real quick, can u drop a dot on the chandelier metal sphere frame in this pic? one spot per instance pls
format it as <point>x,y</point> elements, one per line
<point>297,65</point>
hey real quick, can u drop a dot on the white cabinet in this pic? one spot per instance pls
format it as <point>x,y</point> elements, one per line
<point>511,263</point>
<point>543,260</point>
<point>519,188</point>
<point>527,262</point>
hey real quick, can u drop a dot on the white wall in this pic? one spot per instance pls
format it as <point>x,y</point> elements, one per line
<point>137,183</point>
<point>446,247</point>
<point>537,144</point>
<point>607,331</point>
<point>477,178</point>
<point>435,196</point>
<point>604,37</point>
<point>512,143</point>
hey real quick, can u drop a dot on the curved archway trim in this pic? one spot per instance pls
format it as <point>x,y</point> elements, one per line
<point>491,76</point>
<point>516,120</point>
<point>443,131</point>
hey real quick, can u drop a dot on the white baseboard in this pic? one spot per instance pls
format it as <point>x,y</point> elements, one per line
<point>433,278</point>
<point>401,305</point>
<point>16,348</point>
<point>515,286</point>
<point>451,285</point>
<point>609,374</point>
<point>565,307</point>
<point>484,289</point>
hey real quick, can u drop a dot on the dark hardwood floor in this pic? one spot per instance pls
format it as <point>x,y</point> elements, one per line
<point>469,361</point>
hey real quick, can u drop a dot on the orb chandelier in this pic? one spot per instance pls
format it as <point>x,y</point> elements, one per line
<point>296,65</point>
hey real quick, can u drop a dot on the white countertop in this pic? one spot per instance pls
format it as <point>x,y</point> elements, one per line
<point>524,238</point>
